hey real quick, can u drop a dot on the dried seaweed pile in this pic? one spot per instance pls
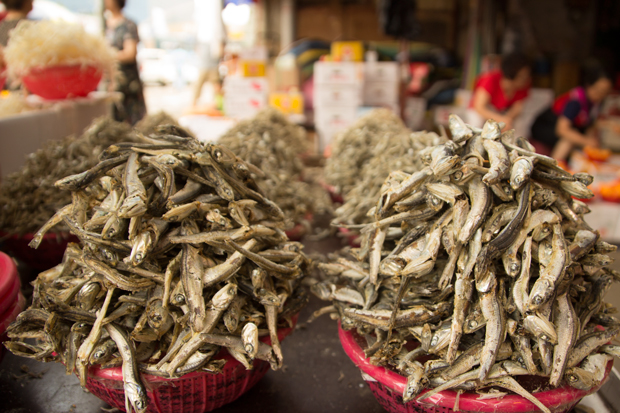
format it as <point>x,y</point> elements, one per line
<point>364,156</point>
<point>180,255</point>
<point>274,145</point>
<point>484,258</point>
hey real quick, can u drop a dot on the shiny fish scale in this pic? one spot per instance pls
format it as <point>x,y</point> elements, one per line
<point>532,235</point>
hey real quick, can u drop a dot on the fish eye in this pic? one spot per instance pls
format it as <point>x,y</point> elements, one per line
<point>140,404</point>
<point>537,299</point>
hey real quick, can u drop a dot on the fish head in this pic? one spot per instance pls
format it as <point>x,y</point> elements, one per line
<point>137,396</point>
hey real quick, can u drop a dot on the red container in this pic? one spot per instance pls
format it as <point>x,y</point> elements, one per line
<point>353,238</point>
<point>49,253</point>
<point>299,230</point>
<point>192,393</point>
<point>12,302</point>
<point>61,82</point>
<point>388,387</point>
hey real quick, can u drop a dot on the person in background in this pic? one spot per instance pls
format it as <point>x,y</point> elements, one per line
<point>499,94</point>
<point>210,47</point>
<point>570,122</point>
<point>16,10</point>
<point>122,34</point>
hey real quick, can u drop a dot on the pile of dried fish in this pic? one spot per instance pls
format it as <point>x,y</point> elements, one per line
<point>274,145</point>
<point>484,258</point>
<point>180,254</point>
<point>149,124</point>
<point>28,198</point>
<point>364,156</point>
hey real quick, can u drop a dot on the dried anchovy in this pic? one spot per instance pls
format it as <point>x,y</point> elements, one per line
<point>177,258</point>
<point>494,271</point>
<point>364,155</point>
<point>275,145</point>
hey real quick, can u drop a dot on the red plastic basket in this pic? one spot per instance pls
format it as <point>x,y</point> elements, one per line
<point>192,393</point>
<point>61,82</point>
<point>49,253</point>
<point>12,302</point>
<point>299,230</point>
<point>388,387</point>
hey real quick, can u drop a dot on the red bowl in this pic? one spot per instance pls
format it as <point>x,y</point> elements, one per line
<point>299,230</point>
<point>61,82</point>
<point>388,387</point>
<point>352,237</point>
<point>49,253</point>
<point>192,393</point>
<point>12,302</point>
<point>335,196</point>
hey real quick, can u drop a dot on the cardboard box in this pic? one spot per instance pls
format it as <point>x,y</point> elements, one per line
<point>380,93</point>
<point>245,84</point>
<point>253,68</point>
<point>381,72</point>
<point>288,103</point>
<point>347,51</point>
<point>338,73</point>
<point>337,95</point>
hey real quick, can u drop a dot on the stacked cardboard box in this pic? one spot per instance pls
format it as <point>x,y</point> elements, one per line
<point>381,84</point>
<point>338,90</point>
<point>244,97</point>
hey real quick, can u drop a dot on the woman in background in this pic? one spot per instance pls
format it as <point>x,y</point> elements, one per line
<point>499,94</point>
<point>16,10</point>
<point>570,122</point>
<point>122,34</point>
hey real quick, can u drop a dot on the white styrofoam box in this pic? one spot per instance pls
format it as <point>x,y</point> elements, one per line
<point>381,72</point>
<point>334,116</point>
<point>605,217</point>
<point>338,73</point>
<point>365,110</point>
<point>329,121</point>
<point>233,84</point>
<point>258,53</point>
<point>415,109</point>
<point>380,93</point>
<point>442,112</point>
<point>244,105</point>
<point>207,128</point>
<point>337,95</point>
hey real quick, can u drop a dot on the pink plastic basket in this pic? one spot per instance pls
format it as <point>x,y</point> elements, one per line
<point>299,230</point>
<point>12,302</point>
<point>192,393</point>
<point>388,387</point>
<point>61,82</point>
<point>49,253</point>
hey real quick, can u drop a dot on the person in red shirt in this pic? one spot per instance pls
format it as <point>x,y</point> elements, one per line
<point>499,94</point>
